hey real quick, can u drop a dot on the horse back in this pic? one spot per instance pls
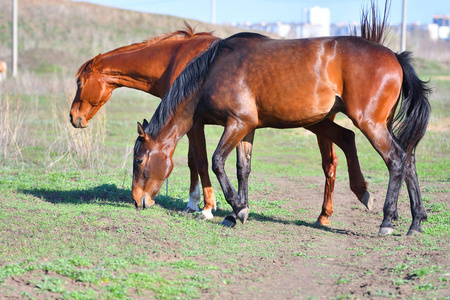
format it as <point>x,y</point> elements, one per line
<point>292,83</point>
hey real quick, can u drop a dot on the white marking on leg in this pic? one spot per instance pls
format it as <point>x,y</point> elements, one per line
<point>207,214</point>
<point>194,199</point>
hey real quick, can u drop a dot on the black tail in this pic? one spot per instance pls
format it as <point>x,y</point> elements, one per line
<point>410,123</point>
<point>186,83</point>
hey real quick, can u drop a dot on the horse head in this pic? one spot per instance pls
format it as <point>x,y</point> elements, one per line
<point>152,164</point>
<point>93,91</point>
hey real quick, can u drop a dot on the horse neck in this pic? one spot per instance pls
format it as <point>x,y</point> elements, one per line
<point>179,123</point>
<point>154,68</point>
<point>139,69</point>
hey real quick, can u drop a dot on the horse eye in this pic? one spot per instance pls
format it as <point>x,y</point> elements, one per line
<point>139,161</point>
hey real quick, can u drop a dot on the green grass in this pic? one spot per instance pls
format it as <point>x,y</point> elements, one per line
<point>69,230</point>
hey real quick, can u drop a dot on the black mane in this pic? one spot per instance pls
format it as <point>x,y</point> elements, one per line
<point>185,84</point>
<point>189,80</point>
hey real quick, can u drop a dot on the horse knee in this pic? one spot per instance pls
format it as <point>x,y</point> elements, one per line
<point>243,170</point>
<point>217,165</point>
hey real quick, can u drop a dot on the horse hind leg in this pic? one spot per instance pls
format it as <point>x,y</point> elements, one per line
<point>243,168</point>
<point>329,165</point>
<point>345,139</point>
<point>394,158</point>
<point>412,184</point>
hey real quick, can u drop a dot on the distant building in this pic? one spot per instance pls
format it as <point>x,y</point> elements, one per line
<point>441,20</point>
<point>317,22</point>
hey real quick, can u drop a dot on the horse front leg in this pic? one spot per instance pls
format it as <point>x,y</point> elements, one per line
<point>198,164</point>
<point>194,188</point>
<point>231,137</point>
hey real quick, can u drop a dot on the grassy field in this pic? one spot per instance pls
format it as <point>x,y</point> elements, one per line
<point>68,229</point>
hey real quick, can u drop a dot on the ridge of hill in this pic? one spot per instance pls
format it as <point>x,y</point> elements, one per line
<point>60,35</point>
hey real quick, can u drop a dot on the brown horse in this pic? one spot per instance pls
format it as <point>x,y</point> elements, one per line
<point>249,81</point>
<point>152,67</point>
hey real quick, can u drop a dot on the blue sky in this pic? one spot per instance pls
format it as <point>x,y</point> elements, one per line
<point>228,11</point>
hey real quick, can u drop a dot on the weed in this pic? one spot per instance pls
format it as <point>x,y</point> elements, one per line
<point>51,284</point>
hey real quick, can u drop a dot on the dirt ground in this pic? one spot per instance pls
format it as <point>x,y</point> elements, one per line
<point>345,260</point>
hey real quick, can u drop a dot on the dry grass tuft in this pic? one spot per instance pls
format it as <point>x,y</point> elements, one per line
<point>12,127</point>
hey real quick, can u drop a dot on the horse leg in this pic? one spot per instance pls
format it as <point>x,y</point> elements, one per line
<point>194,188</point>
<point>394,158</point>
<point>412,184</point>
<point>197,147</point>
<point>329,165</point>
<point>345,139</point>
<point>232,135</point>
<point>243,168</point>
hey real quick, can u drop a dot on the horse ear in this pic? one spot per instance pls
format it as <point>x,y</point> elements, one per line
<point>145,123</point>
<point>97,58</point>
<point>141,132</point>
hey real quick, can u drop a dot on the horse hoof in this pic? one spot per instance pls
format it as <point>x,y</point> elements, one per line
<point>243,215</point>
<point>206,215</point>
<point>367,200</point>
<point>322,223</point>
<point>385,231</point>
<point>413,232</point>
<point>229,221</point>
<point>189,210</point>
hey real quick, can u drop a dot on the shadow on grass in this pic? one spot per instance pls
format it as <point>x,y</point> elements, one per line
<point>110,194</point>
<point>105,194</point>
<point>178,205</point>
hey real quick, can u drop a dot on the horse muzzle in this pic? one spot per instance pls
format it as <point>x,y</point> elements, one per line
<point>79,122</point>
<point>145,202</point>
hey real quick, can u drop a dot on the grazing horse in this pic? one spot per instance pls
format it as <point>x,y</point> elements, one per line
<point>152,67</point>
<point>250,81</point>
<point>3,69</point>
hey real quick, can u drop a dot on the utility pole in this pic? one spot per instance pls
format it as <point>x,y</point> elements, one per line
<point>15,8</point>
<point>213,11</point>
<point>403,36</point>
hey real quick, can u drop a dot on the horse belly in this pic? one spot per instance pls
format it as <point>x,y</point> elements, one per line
<point>294,110</point>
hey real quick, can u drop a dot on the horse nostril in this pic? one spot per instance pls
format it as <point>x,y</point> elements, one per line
<point>71,118</point>
<point>143,203</point>
<point>135,204</point>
